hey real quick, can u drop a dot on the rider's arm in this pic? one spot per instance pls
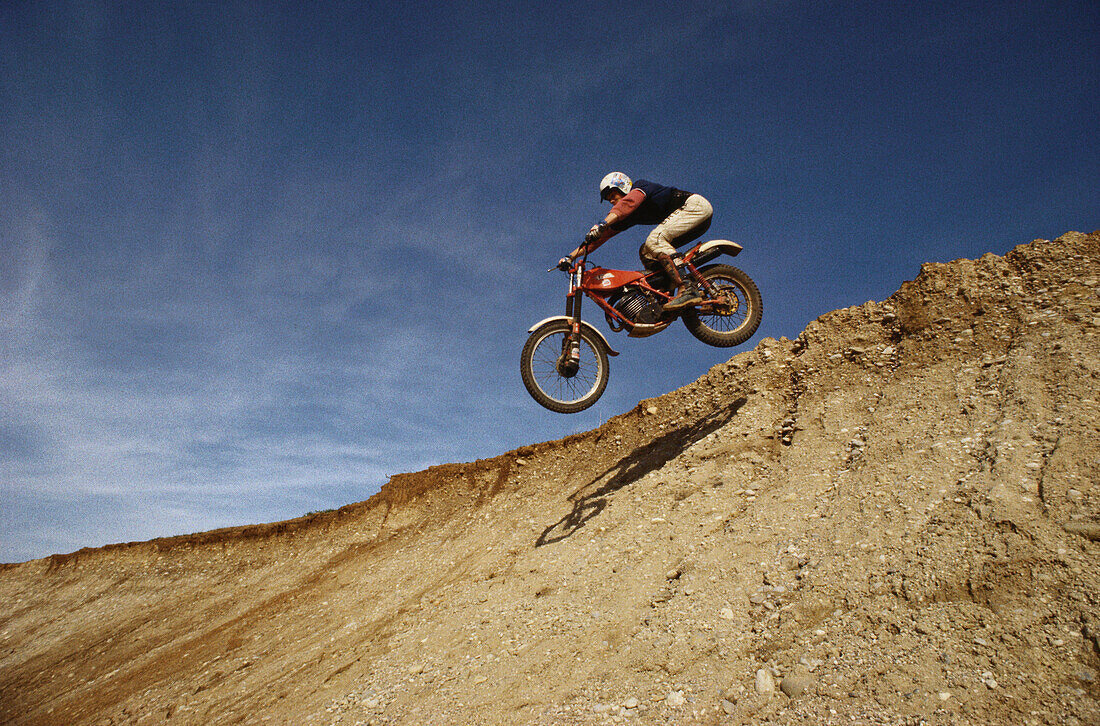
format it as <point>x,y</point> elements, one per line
<point>622,209</point>
<point>586,247</point>
<point>625,206</point>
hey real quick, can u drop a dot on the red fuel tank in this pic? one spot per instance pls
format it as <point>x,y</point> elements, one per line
<point>601,281</point>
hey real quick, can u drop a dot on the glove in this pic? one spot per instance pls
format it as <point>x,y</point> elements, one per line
<point>565,263</point>
<point>595,232</point>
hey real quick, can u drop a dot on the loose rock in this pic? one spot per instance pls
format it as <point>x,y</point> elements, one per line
<point>796,683</point>
<point>765,682</point>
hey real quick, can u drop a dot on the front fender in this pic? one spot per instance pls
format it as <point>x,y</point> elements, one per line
<point>584,324</point>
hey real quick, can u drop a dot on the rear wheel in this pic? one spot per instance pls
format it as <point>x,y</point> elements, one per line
<point>564,389</point>
<point>731,317</point>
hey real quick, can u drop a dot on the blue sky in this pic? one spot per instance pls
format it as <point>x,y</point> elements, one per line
<point>257,257</point>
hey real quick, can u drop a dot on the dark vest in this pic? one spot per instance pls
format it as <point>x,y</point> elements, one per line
<point>660,201</point>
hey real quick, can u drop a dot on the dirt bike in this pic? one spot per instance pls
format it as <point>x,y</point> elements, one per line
<point>564,363</point>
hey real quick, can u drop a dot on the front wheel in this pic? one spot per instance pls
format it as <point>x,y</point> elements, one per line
<point>563,388</point>
<point>729,314</point>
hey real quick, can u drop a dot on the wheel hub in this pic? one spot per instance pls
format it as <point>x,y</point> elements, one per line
<point>568,368</point>
<point>724,304</point>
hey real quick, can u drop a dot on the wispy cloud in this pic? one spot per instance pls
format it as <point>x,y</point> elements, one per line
<point>170,383</point>
<point>243,283</point>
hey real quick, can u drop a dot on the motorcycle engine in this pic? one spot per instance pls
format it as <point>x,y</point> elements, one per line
<point>638,307</point>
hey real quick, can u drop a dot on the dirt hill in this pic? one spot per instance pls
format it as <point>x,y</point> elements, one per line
<point>892,519</point>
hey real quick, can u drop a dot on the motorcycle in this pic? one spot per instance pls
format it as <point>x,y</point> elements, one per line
<point>564,363</point>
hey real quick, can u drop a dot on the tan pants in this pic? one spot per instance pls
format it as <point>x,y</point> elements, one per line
<point>661,241</point>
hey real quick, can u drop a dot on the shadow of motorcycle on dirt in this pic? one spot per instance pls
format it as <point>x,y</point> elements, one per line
<point>591,499</point>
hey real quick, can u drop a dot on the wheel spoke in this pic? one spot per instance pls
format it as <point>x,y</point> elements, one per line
<point>727,322</point>
<point>563,389</point>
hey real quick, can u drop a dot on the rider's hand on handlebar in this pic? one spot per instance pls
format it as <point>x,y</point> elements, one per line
<point>595,232</point>
<point>565,263</point>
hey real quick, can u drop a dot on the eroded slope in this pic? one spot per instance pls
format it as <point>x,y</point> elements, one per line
<point>897,512</point>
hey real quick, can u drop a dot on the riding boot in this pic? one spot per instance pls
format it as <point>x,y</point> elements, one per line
<point>673,275</point>
<point>686,293</point>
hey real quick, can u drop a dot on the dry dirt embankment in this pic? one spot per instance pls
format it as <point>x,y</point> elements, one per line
<point>891,519</point>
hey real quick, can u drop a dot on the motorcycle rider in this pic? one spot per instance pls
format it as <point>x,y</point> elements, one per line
<point>680,217</point>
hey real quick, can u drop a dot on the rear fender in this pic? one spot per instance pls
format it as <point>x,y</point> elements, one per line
<point>709,250</point>
<point>586,325</point>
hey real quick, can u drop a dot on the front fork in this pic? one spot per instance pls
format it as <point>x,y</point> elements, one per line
<point>570,359</point>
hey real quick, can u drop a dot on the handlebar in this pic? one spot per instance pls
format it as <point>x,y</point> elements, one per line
<point>572,267</point>
<point>583,260</point>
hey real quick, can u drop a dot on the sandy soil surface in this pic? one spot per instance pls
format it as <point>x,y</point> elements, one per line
<point>893,519</point>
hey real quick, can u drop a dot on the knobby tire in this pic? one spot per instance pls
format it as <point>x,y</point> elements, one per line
<point>542,379</point>
<point>726,330</point>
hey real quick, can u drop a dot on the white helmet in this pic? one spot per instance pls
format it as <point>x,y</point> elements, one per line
<point>615,180</point>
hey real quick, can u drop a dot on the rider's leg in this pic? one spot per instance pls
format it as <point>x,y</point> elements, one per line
<point>690,222</point>
<point>659,246</point>
<point>688,295</point>
<point>682,226</point>
<point>684,294</point>
<point>675,280</point>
